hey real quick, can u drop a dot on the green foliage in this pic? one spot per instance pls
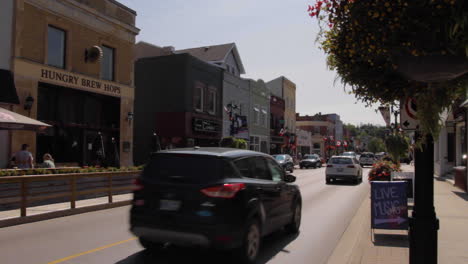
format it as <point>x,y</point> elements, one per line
<point>40,171</point>
<point>397,146</point>
<point>376,145</point>
<point>232,142</point>
<point>367,41</point>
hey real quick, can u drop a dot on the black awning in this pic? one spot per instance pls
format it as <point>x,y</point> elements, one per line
<point>7,88</point>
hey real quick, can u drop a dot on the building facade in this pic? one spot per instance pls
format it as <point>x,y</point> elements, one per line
<point>277,140</point>
<point>237,101</point>
<point>286,89</point>
<point>321,127</point>
<point>8,95</point>
<point>71,60</point>
<point>178,97</point>
<point>304,142</point>
<point>259,124</point>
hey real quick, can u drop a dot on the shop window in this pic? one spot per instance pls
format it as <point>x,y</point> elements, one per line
<point>211,101</point>
<point>56,39</point>
<point>198,98</point>
<point>107,63</point>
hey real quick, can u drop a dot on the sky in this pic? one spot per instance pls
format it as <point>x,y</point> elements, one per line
<point>274,38</point>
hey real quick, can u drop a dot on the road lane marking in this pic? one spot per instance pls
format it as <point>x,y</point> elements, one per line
<point>91,251</point>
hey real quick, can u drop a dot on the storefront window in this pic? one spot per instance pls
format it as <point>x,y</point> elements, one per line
<point>56,47</point>
<point>107,64</point>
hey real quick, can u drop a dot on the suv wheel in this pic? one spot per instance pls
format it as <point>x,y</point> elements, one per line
<point>295,224</point>
<point>150,245</point>
<point>251,246</point>
<point>328,181</point>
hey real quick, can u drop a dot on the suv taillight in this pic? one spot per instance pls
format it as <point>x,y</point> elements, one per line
<point>329,166</point>
<point>138,184</point>
<point>227,190</point>
<point>351,166</point>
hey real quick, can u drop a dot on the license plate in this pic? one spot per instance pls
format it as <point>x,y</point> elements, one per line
<point>169,205</point>
<point>339,169</point>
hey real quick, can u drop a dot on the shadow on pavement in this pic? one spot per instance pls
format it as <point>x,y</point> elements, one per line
<point>272,245</point>
<point>391,240</point>
<point>462,195</point>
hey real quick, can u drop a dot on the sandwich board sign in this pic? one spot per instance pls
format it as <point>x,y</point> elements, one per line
<point>408,118</point>
<point>389,205</point>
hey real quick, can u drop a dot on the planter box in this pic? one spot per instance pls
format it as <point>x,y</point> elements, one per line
<point>460,178</point>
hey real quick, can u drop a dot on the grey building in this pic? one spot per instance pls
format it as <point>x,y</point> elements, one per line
<point>259,124</point>
<point>236,91</point>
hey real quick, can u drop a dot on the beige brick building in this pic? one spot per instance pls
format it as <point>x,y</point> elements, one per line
<point>74,58</point>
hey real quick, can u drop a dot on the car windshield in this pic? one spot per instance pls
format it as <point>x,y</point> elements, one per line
<point>182,168</point>
<point>279,157</point>
<point>311,157</point>
<point>367,155</point>
<point>341,161</point>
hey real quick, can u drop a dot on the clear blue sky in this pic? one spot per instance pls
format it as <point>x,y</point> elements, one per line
<point>274,38</point>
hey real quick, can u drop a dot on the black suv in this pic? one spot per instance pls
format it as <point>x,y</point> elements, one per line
<point>213,197</point>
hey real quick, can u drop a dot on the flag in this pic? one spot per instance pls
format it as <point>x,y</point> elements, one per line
<point>282,132</point>
<point>345,143</point>
<point>338,143</point>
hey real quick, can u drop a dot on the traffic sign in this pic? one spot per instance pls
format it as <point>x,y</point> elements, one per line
<point>408,117</point>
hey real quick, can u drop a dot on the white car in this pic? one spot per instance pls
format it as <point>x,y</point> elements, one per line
<point>367,158</point>
<point>343,168</point>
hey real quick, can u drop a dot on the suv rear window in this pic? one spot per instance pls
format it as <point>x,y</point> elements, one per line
<point>183,168</point>
<point>367,155</point>
<point>341,161</point>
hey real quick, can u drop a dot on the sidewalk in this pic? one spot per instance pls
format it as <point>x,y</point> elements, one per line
<point>392,246</point>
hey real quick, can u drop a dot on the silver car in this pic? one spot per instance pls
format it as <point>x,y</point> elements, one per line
<point>343,168</point>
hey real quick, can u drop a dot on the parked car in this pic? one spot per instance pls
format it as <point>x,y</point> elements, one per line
<point>380,155</point>
<point>213,197</point>
<point>343,168</point>
<point>285,161</point>
<point>367,159</point>
<point>310,160</point>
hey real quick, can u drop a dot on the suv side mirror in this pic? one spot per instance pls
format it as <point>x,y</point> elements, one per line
<point>289,178</point>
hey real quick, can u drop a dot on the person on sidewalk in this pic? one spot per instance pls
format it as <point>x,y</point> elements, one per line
<point>23,158</point>
<point>48,161</point>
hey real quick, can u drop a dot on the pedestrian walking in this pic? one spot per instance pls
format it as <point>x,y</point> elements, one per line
<point>23,158</point>
<point>48,161</point>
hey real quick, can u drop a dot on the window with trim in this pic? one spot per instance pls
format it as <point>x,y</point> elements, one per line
<point>263,118</point>
<point>56,44</point>
<point>260,169</point>
<point>198,98</point>
<point>107,63</point>
<point>256,115</point>
<point>211,106</point>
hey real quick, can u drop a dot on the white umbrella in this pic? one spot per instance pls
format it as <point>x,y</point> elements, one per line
<point>13,121</point>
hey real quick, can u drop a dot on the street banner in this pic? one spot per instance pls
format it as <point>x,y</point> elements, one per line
<point>385,111</point>
<point>389,205</point>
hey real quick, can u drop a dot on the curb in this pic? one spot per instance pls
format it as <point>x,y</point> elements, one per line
<point>61,213</point>
<point>348,246</point>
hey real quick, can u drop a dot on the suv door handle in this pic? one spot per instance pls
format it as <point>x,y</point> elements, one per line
<point>259,189</point>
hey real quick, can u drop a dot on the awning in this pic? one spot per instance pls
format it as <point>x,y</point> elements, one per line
<point>7,88</point>
<point>14,121</point>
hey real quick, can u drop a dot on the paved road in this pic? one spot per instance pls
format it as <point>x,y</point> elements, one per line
<point>102,237</point>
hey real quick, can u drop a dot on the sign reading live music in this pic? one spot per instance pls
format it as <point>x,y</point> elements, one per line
<point>389,205</point>
<point>69,79</point>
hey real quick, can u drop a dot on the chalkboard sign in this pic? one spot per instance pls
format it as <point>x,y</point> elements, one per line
<point>389,205</point>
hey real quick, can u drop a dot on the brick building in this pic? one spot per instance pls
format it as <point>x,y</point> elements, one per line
<point>73,60</point>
